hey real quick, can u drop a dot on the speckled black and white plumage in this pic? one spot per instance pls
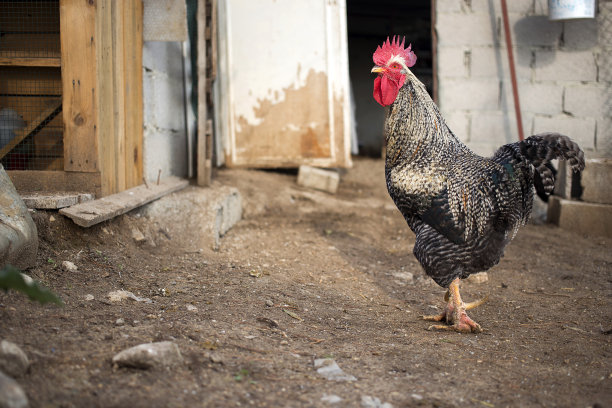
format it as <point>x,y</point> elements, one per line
<point>463,208</point>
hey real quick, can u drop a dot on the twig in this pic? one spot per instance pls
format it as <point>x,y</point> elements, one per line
<point>158,176</point>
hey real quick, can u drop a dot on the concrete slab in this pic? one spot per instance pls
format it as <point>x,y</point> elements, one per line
<point>581,217</point>
<point>54,201</point>
<point>18,234</point>
<point>210,211</point>
<point>105,208</point>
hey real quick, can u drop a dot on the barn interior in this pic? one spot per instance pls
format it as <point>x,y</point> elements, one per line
<point>369,22</point>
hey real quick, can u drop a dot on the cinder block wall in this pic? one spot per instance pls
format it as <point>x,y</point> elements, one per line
<point>564,72</point>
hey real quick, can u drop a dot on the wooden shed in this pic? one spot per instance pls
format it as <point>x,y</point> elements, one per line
<point>71,94</point>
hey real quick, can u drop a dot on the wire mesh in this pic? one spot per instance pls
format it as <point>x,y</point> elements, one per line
<point>31,128</point>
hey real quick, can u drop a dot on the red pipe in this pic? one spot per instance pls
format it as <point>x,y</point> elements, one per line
<point>515,94</point>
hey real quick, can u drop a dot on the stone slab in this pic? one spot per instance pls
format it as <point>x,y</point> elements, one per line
<point>105,208</point>
<point>581,217</point>
<point>54,201</point>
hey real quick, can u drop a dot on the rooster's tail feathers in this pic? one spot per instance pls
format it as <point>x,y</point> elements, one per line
<point>540,149</point>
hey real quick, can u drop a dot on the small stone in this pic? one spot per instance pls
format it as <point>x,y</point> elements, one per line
<point>29,281</point>
<point>69,266</point>
<point>13,360</point>
<point>404,278</point>
<point>137,235</point>
<point>373,402</point>
<point>11,394</point>
<point>329,369</point>
<point>269,303</point>
<point>192,308</point>
<point>331,399</point>
<point>480,277</point>
<point>89,297</point>
<point>119,322</point>
<point>119,295</point>
<point>51,218</point>
<point>149,355</point>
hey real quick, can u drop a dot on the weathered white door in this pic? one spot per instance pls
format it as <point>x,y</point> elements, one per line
<point>282,96</point>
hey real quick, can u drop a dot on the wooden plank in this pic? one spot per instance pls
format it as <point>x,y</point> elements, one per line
<point>133,92</point>
<point>78,48</point>
<point>57,181</point>
<point>94,212</point>
<point>203,170</point>
<point>34,125</point>
<point>30,61</point>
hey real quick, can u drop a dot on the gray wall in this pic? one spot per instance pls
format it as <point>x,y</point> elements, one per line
<point>564,72</point>
<point>165,140</point>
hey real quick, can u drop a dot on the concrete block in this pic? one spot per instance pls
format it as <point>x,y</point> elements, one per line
<point>580,34</point>
<point>565,66</point>
<point>534,31</point>
<point>540,97</point>
<point>604,137</point>
<point>596,180</point>
<point>211,211</point>
<point>18,234</point>
<point>522,7</point>
<point>55,201</point>
<point>449,6</point>
<point>318,179</point>
<point>495,128</point>
<point>581,217</point>
<point>454,62</point>
<point>493,62</point>
<point>470,94</point>
<point>459,123</point>
<point>581,130</point>
<point>465,29</point>
<point>587,100</point>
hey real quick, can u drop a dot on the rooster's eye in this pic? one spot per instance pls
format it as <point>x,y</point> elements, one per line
<point>395,66</point>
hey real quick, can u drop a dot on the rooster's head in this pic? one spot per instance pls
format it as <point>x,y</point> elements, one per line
<point>392,61</point>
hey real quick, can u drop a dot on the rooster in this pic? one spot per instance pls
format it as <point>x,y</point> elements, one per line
<point>463,208</point>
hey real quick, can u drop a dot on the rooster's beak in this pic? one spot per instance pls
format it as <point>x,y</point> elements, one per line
<point>378,69</point>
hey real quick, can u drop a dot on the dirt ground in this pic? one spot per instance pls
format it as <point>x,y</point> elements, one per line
<point>308,275</point>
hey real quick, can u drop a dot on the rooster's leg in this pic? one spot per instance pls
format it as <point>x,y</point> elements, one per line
<point>455,312</point>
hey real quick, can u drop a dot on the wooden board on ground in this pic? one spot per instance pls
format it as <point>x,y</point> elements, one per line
<point>96,211</point>
<point>54,201</point>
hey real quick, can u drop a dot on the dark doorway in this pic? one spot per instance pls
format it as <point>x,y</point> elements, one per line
<point>369,23</point>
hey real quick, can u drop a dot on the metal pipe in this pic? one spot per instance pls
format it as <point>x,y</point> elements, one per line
<point>515,94</point>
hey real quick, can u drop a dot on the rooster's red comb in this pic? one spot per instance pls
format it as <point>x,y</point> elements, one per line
<point>391,48</point>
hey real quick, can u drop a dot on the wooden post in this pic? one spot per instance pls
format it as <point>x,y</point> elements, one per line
<point>203,165</point>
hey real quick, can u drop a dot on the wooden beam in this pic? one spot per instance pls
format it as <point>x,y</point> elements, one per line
<point>34,126</point>
<point>203,168</point>
<point>94,212</point>
<point>78,42</point>
<point>30,62</point>
<point>134,110</point>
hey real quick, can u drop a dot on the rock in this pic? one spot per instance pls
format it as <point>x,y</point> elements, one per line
<point>329,369</point>
<point>18,234</point>
<point>150,355</point>
<point>318,179</point>
<point>119,322</point>
<point>404,278</point>
<point>13,360</point>
<point>11,394</point>
<point>373,402</point>
<point>331,399</point>
<point>137,235</point>
<point>69,266</point>
<point>480,277</point>
<point>192,308</point>
<point>119,295</point>
<point>89,297</point>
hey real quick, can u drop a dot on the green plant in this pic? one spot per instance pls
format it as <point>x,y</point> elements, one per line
<point>12,278</point>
